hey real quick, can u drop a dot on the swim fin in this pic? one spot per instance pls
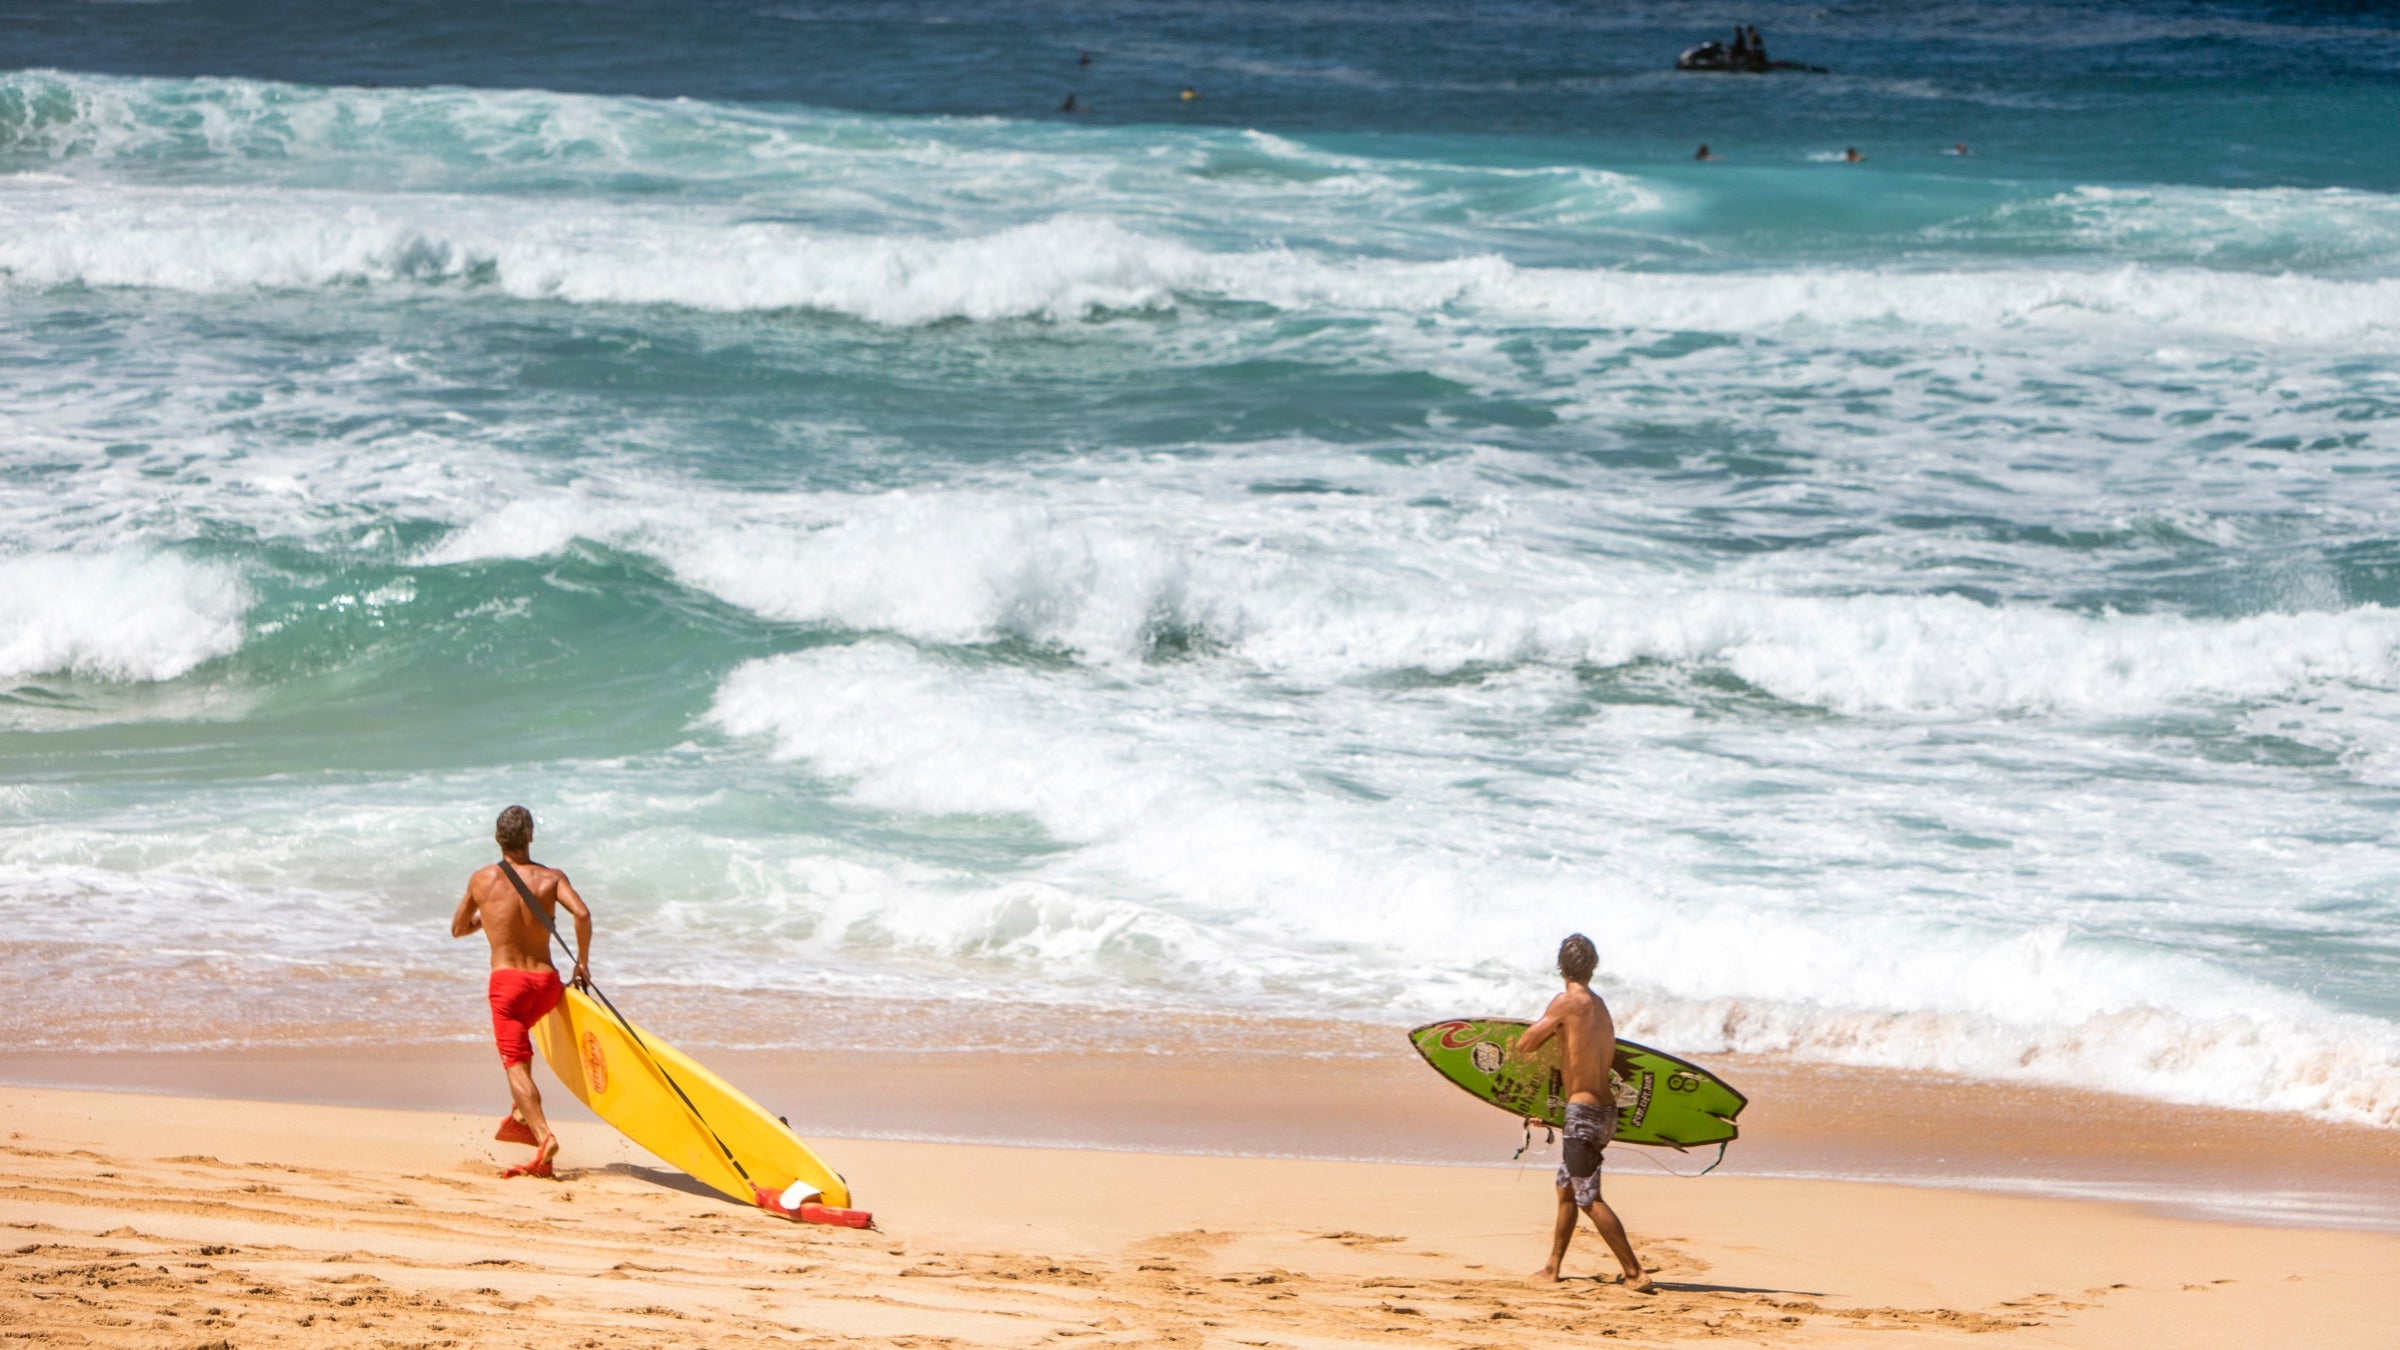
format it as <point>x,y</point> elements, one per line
<point>515,1131</point>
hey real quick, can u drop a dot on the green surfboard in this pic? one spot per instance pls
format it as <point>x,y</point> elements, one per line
<point>1661,1100</point>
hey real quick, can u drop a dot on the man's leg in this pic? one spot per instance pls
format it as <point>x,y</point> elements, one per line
<point>1613,1233</point>
<point>526,1100</point>
<point>1562,1232</point>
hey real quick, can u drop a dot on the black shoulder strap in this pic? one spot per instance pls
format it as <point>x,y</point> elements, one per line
<point>525,894</point>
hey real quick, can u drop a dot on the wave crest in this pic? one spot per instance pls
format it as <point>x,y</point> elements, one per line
<point>1324,598</point>
<point>60,232</point>
<point>129,616</point>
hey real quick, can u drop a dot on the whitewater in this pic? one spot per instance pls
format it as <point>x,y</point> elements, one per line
<point>1290,555</point>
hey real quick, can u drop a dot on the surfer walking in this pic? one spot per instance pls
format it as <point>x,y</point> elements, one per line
<point>1589,1042</point>
<point>524,986</point>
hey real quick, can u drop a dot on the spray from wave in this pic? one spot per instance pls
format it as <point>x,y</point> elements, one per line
<point>127,615</point>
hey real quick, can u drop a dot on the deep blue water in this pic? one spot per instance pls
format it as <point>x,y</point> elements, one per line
<point>2230,93</point>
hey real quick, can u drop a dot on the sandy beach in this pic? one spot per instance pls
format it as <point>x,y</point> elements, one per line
<point>154,1220</point>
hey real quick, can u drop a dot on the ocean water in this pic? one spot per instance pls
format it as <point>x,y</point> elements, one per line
<point>1298,550</point>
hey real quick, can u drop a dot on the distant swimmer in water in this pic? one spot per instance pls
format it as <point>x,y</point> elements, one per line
<point>1850,155</point>
<point>1069,105</point>
<point>1703,152</point>
<point>1958,149</point>
<point>1083,58</point>
<point>1190,95</point>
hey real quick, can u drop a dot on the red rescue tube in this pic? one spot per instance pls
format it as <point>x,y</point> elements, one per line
<point>811,1212</point>
<point>843,1218</point>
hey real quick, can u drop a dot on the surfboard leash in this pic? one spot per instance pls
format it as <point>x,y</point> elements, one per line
<point>1550,1135</point>
<point>1722,1145</point>
<point>551,928</point>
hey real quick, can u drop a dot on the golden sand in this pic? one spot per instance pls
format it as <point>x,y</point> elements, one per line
<point>144,1220</point>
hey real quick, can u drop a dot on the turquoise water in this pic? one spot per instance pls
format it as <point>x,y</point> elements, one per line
<point>1299,549</point>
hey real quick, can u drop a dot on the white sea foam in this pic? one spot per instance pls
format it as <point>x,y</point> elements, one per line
<point>2314,229</point>
<point>1066,266</point>
<point>2277,309</point>
<point>1322,594</point>
<point>1183,871</point>
<point>213,242</point>
<point>126,615</point>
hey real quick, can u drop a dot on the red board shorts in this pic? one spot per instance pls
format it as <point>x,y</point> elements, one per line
<point>521,998</point>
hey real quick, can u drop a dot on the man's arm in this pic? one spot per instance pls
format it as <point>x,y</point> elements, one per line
<point>1540,1031</point>
<point>574,905</point>
<point>468,917</point>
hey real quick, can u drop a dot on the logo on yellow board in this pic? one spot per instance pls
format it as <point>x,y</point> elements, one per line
<point>595,1063</point>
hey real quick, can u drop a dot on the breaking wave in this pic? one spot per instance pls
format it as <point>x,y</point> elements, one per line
<point>130,616</point>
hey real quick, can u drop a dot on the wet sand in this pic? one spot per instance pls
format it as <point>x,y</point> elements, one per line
<point>149,1220</point>
<point>1359,1093</point>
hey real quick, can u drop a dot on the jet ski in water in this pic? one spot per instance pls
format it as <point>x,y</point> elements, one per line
<point>1747,56</point>
<point>1719,57</point>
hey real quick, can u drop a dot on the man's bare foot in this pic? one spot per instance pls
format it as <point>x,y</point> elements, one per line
<point>1546,1275</point>
<point>1638,1283</point>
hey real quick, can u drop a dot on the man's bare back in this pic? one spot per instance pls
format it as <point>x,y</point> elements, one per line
<point>1587,1043</point>
<point>519,941</point>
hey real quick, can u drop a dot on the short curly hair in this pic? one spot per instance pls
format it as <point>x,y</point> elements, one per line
<point>1576,957</point>
<point>514,829</point>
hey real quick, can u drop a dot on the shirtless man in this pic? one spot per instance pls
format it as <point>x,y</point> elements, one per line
<point>1591,1043</point>
<point>524,985</point>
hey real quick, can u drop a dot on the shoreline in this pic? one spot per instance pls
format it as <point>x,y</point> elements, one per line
<point>1378,1105</point>
<point>144,1220</point>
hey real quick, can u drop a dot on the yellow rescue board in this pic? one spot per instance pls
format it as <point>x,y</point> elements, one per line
<point>589,1051</point>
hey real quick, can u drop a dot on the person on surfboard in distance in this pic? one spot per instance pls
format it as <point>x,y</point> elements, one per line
<point>1589,1045</point>
<point>524,986</point>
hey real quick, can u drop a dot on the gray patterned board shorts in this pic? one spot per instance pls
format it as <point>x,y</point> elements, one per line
<point>1587,1133</point>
